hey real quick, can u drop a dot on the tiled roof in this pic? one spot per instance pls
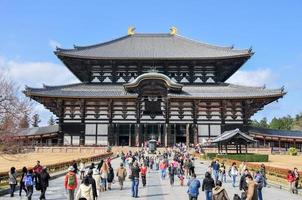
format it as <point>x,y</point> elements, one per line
<point>274,132</point>
<point>228,135</point>
<point>210,91</point>
<point>152,46</point>
<point>38,130</point>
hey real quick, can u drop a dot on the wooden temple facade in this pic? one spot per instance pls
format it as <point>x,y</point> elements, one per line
<point>143,86</point>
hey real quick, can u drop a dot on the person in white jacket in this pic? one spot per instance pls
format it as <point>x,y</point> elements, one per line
<point>85,190</point>
<point>233,173</point>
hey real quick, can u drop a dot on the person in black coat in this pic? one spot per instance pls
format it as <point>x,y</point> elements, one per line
<point>44,182</point>
<point>93,184</point>
<point>208,185</point>
<point>110,176</point>
<point>22,186</point>
<point>242,182</point>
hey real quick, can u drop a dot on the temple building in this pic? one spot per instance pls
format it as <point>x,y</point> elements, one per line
<point>141,86</point>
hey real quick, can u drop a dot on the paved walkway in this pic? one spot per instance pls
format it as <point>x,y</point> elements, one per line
<point>155,190</point>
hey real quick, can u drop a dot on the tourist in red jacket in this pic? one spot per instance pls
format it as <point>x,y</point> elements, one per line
<point>291,181</point>
<point>70,182</point>
<point>143,171</point>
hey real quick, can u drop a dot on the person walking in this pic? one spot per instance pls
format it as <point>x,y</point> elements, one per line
<point>37,168</point>
<point>219,193</point>
<point>233,173</point>
<point>291,181</point>
<point>44,182</point>
<point>97,177</point>
<point>85,190</point>
<point>70,182</point>
<point>251,193</point>
<point>171,171</point>
<point>82,170</point>
<point>259,179</point>
<point>92,183</point>
<point>143,172</point>
<point>12,180</point>
<point>215,170</point>
<point>135,179</point>
<point>193,190</point>
<point>104,175</point>
<point>163,167</point>
<point>29,184</point>
<point>121,174</point>
<point>22,186</point>
<point>222,173</point>
<point>242,182</point>
<point>110,175</point>
<point>208,185</point>
<point>297,178</point>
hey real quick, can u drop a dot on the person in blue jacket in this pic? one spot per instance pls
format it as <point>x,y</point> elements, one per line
<point>193,190</point>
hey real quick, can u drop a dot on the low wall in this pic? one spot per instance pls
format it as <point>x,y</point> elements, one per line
<point>63,149</point>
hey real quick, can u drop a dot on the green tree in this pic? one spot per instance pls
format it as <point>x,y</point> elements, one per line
<point>263,123</point>
<point>51,121</point>
<point>35,120</point>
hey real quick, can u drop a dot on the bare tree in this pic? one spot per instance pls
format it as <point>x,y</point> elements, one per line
<point>14,110</point>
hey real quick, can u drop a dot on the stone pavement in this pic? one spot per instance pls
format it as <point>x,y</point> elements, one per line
<point>155,189</point>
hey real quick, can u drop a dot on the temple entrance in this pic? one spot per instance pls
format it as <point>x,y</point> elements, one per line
<point>180,133</point>
<point>152,131</point>
<point>123,131</point>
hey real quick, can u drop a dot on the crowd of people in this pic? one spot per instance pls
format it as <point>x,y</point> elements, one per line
<point>37,178</point>
<point>87,182</point>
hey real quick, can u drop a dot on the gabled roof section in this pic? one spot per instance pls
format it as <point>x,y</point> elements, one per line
<point>171,85</point>
<point>228,136</point>
<point>153,46</point>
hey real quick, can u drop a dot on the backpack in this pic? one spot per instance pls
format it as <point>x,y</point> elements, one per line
<point>28,180</point>
<point>71,180</point>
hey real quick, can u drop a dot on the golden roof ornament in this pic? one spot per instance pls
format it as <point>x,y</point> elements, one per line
<point>173,30</point>
<point>131,30</point>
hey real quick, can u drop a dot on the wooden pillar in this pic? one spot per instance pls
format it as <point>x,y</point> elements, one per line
<point>264,141</point>
<point>226,149</point>
<point>295,143</point>
<point>83,114</point>
<point>137,135</point>
<point>145,133</point>
<point>187,135</point>
<point>246,148</point>
<point>130,136</point>
<point>60,106</point>
<point>240,148</point>
<point>159,133</point>
<point>195,132</point>
<point>174,134</point>
<point>166,134</point>
<point>116,135</point>
<point>279,140</point>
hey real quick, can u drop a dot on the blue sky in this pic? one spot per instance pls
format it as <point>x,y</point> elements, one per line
<point>30,29</point>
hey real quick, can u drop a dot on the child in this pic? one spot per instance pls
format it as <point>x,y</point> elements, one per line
<point>181,179</point>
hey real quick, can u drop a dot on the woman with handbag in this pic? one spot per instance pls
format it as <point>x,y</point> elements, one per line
<point>12,180</point>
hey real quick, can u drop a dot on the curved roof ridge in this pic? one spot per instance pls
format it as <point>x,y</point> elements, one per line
<point>77,47</point>
<point>255,87</point>
<point>212,45</point>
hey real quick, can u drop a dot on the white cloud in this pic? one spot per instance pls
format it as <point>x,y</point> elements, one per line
<point>259,77</point>
<point>54,44</point>
<point>34,74</point>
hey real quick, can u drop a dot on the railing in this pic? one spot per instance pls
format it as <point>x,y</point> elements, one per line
<point>58,166</point>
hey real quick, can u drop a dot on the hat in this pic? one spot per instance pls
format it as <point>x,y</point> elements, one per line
<point>71,168</point>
